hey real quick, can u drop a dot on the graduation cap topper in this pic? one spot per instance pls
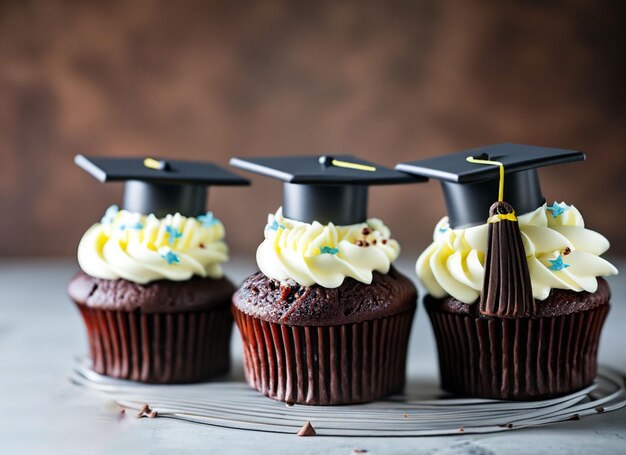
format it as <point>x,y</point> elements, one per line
<point>161,186</point>
<point>324,188</point>
<point>471,186</point>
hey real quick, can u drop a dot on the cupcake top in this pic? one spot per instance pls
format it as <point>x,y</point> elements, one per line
<point>163,232</point>
<point>143,248</point>
<point>561,254</point>
<point>322,235</point>
<point>325,254</point>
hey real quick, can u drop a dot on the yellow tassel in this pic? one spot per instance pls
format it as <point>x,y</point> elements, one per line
<point>471,159</point>
<point>349,165</point>
<point>501,216</point>
<point>151,163</point>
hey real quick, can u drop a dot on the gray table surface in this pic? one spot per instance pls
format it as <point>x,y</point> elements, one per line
<point>41,412</point>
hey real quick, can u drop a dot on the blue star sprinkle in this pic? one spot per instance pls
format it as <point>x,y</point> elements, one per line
<point>558,264</point>
<point>443,229</point>
<point>109,215</point>
<point>174,234</point>
<point>208,219</point>
<point>328,250</point>
<point>137,226</point>
<point>275,226</point>
<point>556,209</point>
<point>170,257</point>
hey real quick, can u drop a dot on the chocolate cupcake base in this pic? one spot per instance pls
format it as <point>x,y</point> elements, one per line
<point>159,347</point>
<point>326,365</point>
<point>161,332</point>
<point>517,359</point>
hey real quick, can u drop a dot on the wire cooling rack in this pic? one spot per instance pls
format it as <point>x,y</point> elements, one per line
<point>235,405</point>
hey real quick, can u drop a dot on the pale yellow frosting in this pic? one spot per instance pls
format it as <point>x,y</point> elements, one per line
<point>325,254</point>
<point>454,263</point>
<point>143,248</point>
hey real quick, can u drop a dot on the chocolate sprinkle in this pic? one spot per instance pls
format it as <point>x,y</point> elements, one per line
<point>307,430</point>
<point>507,291</point>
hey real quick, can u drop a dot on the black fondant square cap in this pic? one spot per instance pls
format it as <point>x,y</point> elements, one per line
<point>471,187</point>
<point>160,186</point>
<point>514,157</point>
<point>157,170</point>
<point>325,169</point>
<point>324,188</point>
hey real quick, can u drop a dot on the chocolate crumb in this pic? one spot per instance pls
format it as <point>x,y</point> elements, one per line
<point>373,241</point>
<point>307,430</point>
<point>600,409</point>
<point>359,451</point>
<point>405,415</point>
<point>284,292</point>
<point>367,244</point>
<point>145,411</point>
<point>506,425</point>
<point>359,243</point>
<point>574,417</point>
<point>366,231</point>
<point>384,241</point>
<point>567,250</point>
<point>289,405</point>
<point>461,430</point>
<point>201,245</point>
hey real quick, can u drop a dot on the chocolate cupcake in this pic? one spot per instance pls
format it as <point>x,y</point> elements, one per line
<point>151,292</point>
<point>327,319</point>
<point>516,301</point>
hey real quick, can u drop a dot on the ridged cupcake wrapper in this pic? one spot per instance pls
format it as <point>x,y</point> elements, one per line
<point>517,359</point>
<point>342,364</point>
<point>159,347</point>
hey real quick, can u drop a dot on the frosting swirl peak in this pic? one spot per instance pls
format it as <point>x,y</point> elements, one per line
<point>561,254</point>
<point>313,253</point>
<point>142,248</point>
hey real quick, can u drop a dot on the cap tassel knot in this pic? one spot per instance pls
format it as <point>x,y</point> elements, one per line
<point>507,291</point>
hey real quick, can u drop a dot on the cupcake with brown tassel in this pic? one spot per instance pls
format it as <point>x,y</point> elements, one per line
<point>517,300</point>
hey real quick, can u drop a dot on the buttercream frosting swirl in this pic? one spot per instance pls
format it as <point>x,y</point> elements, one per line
<point>325,254</point>
<point>561,254</point>
<point>142,248</point>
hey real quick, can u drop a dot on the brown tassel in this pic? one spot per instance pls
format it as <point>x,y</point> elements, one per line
<point>507,292</point>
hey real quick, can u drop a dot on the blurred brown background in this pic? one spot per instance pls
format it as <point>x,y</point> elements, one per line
<point>388,81</point>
